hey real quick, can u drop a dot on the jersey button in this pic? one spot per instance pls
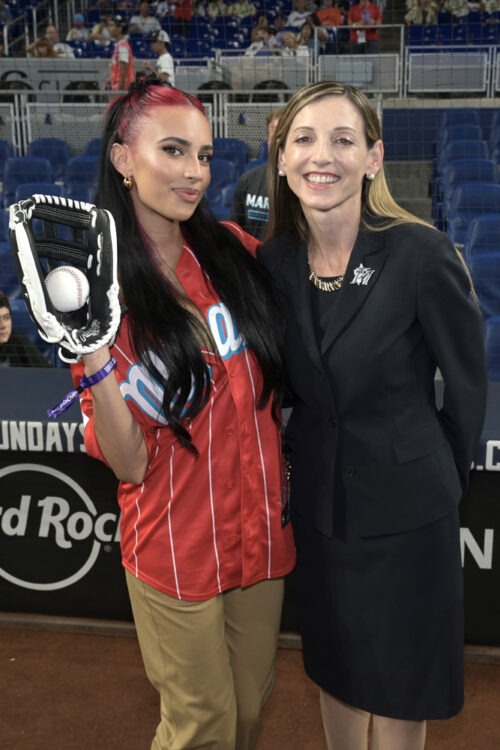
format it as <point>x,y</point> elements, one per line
<point>349,471</point>
<point>230,485</point>
<point>229,432</point>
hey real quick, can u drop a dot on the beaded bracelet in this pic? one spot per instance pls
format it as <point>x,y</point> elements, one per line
<point>85,382</point>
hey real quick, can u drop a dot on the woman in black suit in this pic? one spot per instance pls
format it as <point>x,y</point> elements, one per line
<point>374,301</point>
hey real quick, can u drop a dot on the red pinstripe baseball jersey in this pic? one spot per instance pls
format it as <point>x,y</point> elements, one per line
<point>200,525</point>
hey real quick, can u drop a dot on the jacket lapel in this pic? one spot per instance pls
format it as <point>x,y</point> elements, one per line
<point>296,273</point>
<point>362,274</point>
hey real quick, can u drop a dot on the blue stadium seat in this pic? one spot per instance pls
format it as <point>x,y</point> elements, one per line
<point>22,323</point>
<point>222,173</point>
<point>462,150</point>
<point>233,149</point>
<point>460,132</point>
<point>452,33</point>
<point>483,235</point>
<point>466,170</point>
<point>56,150</point>
<point>6,150</point>
<point>9,284</point>
<point>20,169</point>
<point>485,274</point>
<point>81,176</point>
<point>93,147</point>
<point>4,225</point>
<point>492,346</point>
<point>459,116</point>
<point>469,200</point>
<point>27,189</point>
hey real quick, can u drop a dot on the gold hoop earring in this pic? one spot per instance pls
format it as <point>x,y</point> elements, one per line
<point>127,183</point>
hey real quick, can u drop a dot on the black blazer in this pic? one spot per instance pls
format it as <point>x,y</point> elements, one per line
<point>370,453</point>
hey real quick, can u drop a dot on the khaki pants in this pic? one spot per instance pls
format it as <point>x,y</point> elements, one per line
<point>212,662</point>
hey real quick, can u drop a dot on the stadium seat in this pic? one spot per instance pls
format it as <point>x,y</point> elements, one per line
<point>21,321</point>
<point>9,284</point>
<point>469,200</point>
<point>492,346</point>
<point>20,169</point>
<point>483,235</point>
<point>56,150</point>
<point>461,150</point>
<point>27,189</point>
<point>459,116</point>
<point>466,170</point>
<point>222,173</point>
<point>461,132</point>
<point>6,150</point>
<point>81,176</point>
<point>263,152</point>
<point>93,147</point>
<point>485,274</point>
<point>4,225</point>
<point>234,150</point>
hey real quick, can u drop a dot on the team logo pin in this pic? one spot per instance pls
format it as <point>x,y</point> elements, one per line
<point>362,275</point>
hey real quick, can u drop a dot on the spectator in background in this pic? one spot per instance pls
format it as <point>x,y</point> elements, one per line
<point>457,8</point>
<point>163,9</point>
<point>122,71</point>
<point>250,207</point>
<point>41,48</point>
<point>298,15</point>
<point>79,32</point>
<point>164,65</point>
<point>329,14</point>
<point>261,25</point>
<point>217,9</point>
<point>422,12</point>
<point>100,33</point>
<point>183,14</point>
<point>290,44</point>
<point>5,14</point>
<point>16,350</point>
<point>264,42</point>
<point>143,22</point>
<point>242,9</point>
<point>60,48</point>
<point>362,17</point>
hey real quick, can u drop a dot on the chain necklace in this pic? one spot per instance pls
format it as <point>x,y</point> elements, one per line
<point>325,286</point>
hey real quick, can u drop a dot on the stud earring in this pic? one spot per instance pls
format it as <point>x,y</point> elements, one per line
<point>370,176</point>
<point>127,183</point>
<point>281,173</point>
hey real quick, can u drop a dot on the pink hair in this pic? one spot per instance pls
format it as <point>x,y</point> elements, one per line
<point>137,104</point>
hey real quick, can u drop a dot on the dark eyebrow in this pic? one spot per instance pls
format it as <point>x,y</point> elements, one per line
<point>341,127</point>
<point>183,142</point>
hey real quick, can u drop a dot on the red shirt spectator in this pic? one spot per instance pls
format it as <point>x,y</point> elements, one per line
<point>364,15</point>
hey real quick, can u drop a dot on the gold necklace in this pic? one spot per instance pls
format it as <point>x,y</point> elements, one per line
<point>325,286</point>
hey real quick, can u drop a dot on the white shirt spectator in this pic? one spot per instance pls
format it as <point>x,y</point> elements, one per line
<point>63,50</point>
<point>165,64</point>
<point>297,18</point>
<point>146,24</point>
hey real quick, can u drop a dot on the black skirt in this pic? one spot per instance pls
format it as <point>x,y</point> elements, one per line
<point>382,619</point>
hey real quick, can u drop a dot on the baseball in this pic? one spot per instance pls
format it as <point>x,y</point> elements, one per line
<point>67,287</point>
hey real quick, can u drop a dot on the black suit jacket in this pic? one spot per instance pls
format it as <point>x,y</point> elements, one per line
<point>370,453</point>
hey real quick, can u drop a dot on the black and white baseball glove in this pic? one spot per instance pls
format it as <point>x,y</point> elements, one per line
<point>39,234</point>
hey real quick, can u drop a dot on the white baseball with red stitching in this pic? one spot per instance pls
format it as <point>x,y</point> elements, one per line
<point>67,287</point>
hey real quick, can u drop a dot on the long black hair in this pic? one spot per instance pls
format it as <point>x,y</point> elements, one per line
<point>161,328</point>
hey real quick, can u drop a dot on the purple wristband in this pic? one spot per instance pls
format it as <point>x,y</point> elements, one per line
<point>85,382</point>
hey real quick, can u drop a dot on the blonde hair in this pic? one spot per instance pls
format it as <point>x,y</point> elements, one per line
<point>285,209</point>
